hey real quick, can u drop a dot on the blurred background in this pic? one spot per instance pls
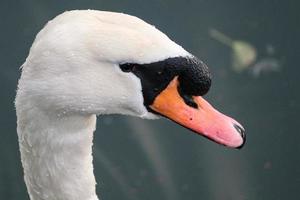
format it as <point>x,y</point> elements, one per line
<point>250,47</point>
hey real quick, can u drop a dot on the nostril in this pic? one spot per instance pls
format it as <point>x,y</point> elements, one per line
<point>240,129</point>
<point>188,99</point>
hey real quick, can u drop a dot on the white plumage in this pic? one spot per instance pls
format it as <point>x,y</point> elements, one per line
<point>71,75</point>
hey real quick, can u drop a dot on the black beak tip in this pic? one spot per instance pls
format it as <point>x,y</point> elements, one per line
<point>241,131</point>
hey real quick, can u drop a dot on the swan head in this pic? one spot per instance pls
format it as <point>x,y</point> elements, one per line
<point>95,62</point>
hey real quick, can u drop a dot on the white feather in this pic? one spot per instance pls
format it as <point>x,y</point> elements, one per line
<point>70,75</point>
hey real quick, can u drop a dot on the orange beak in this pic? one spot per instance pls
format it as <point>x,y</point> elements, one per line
<point>204,119</point>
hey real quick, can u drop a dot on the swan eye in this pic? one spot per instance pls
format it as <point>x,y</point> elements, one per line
<point>127,67</point>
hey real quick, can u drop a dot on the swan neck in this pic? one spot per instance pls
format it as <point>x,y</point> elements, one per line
<point>56,152</point>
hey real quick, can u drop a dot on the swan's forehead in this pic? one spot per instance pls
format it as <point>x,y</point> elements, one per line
<point>121,38</point>
<point>135,47</point>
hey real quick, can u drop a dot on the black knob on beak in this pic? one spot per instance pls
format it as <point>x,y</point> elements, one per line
<point>194,77</point>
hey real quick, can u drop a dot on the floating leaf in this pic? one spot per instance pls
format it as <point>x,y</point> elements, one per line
<point>243,53</point>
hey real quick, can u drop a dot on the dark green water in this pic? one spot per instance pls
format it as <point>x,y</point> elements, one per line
<point>140,160</point>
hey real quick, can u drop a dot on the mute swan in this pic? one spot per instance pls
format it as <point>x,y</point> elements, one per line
<point>88,63</point>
